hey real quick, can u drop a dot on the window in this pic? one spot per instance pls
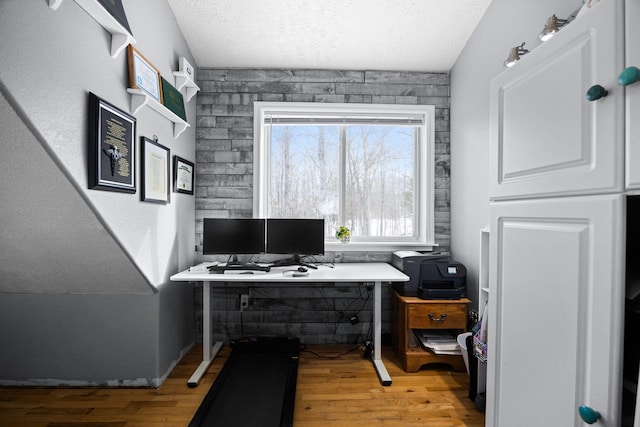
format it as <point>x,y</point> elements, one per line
<point>369,167</point>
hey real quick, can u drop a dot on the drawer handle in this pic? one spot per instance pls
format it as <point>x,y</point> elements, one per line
<point>442,318</point>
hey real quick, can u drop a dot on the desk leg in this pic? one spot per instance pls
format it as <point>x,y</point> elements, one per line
<point>208,352</point>
<point>385,379</point>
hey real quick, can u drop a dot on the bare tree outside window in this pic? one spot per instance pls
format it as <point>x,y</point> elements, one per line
<point>379,164</point>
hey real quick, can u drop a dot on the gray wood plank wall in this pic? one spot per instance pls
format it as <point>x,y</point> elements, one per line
<point>224,188</point>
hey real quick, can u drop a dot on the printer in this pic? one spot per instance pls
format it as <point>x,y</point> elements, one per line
<point>431,276</point>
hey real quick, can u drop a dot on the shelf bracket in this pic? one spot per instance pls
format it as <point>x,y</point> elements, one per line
<point>55,4</point>
<point>182,80</point>
<point>119,42</point>
<point>120,37</point>
<point>178,128</point>
<point>139,99</point>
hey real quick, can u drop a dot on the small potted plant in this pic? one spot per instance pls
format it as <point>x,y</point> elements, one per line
<point>343,234</point>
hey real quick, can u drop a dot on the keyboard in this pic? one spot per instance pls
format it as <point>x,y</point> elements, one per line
<point>239,267</point>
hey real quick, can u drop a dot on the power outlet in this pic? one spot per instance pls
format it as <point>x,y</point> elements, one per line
<point>244,302</point>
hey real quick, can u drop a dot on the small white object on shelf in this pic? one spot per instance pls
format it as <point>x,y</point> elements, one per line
<point>139,99</point>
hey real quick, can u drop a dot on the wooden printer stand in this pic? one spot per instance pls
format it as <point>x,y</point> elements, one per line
<point>415,313</point>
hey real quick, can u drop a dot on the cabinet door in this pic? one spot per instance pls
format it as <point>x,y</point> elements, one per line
<point>555,311</point>
<point>546,138</point>
<point>632,96</point>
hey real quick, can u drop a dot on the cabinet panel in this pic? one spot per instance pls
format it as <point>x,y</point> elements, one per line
<point>556,304</point>
<point>546,138</point>
<point>632,96</point>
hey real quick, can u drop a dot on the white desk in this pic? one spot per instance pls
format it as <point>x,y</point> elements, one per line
<point>374,272</point>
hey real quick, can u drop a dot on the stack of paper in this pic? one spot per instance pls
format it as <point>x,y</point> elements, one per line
<point>438,341</point>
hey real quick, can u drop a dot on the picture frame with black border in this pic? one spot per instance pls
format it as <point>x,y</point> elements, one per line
<point>143,75</point>
<point>112,147</point>
<point>155,167</point>
<point>183,175</point>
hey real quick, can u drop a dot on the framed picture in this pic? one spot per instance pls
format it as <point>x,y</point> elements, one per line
<point>115,9</point>
<point>112,147</point>
<point>183,176</point>
<point>143,75</point>
<point>155,172</point>
<point>172,99</point>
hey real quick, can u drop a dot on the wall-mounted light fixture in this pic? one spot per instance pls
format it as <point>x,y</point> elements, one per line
<point>514,55</point>
<point>552,26</point>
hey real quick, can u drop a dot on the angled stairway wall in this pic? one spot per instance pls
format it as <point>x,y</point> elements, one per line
<point>85,296</point>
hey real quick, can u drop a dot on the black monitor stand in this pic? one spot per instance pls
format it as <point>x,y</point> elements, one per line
<point>294,260</point>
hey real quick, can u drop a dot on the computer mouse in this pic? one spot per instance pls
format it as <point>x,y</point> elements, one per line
<point>302,269</point>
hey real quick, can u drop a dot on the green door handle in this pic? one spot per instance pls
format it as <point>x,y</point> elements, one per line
<point>588,415</point>
<point>629,76</point>
<point>596,92</point>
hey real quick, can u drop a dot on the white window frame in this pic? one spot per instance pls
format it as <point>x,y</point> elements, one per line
<point>425,240</point>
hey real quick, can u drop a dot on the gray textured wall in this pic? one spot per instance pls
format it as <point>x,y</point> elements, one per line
<point>506,24</point>
<point>85,296</point>
<point>224,181</point>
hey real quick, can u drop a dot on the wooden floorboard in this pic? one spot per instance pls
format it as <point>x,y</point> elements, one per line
<point>337,392</point>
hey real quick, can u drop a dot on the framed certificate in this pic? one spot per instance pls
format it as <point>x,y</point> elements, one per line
<point>155,172</point>
<point>143,75</point>
<point>112,147</point>
<point>183,176</point>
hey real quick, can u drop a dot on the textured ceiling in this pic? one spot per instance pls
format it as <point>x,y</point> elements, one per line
<point>393,35</point>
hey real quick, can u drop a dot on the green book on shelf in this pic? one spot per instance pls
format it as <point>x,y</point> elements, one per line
<point>172,99</point>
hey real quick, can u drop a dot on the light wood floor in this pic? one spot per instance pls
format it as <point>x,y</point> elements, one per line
<point>340,392</point>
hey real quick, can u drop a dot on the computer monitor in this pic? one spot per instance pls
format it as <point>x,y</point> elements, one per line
<point>233,236</point>
<point>296,237</point>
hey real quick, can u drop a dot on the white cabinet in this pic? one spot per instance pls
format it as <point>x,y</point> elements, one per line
<point>632,96</point>
<point>560,170</point>
<point>555,311</point>
<point>547,139</point>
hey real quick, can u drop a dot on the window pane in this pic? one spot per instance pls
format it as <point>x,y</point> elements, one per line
<point>379,182</point>
<point>379,177</point>
<point>304,173</point>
